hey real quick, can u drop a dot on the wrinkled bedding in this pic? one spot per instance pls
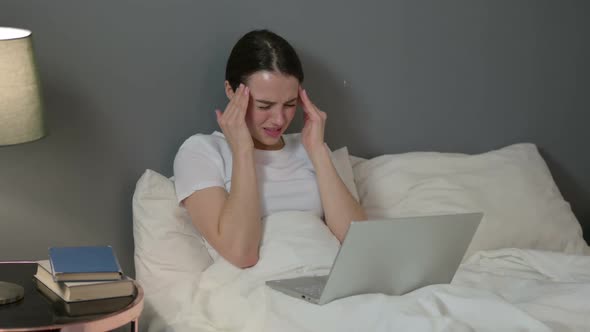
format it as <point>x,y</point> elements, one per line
<point>495,290</point>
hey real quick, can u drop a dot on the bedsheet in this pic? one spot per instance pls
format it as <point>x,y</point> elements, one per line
<point>498,290</point>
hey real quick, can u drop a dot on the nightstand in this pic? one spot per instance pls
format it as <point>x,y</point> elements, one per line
<point>37,312</point>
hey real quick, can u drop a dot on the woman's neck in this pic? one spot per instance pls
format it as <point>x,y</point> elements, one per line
<point>260,146</point>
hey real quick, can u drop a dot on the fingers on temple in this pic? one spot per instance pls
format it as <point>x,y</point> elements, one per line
<point>308,106</point>
<point>235,103</point>
<point>240,101</point>
<point>243,106</point>
<point>305,103</point>
<point>237,95</point>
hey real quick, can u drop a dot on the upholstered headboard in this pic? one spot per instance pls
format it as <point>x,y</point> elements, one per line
<point>126,82</point>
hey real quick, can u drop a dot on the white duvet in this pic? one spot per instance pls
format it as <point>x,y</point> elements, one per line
<point>500,290</point>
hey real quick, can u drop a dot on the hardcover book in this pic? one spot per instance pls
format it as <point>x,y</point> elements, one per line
<point>73,291</point>
<point>84,263</point>
<point>83,308</point>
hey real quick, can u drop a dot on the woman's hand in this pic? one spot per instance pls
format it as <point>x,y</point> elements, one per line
<point>233,121</point>
<point>312,134</point>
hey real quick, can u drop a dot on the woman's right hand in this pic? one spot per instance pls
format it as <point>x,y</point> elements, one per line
<point>233,121</point>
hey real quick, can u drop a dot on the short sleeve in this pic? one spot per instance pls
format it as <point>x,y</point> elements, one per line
<point>198,165</point>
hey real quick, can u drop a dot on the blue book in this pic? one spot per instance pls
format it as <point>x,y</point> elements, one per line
<point>94,263</point>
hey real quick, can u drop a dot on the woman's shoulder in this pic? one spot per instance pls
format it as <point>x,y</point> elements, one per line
<point>214,145</point>
<point>215,141</point>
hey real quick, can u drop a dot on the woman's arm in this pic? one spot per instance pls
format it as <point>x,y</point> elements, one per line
<point>231,221</point>
<point>340,207</point>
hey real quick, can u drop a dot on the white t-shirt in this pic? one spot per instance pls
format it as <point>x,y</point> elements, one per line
<point>286,177</point>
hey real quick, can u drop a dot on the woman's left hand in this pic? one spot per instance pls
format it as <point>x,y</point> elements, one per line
<point>312,134</point>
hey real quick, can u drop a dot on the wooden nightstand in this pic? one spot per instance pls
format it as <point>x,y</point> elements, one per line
<point>37,312</point>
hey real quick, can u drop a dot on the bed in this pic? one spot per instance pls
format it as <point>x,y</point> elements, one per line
<point>526,269</point>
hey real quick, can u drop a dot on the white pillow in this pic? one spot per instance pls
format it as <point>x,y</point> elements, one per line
<point>354,160</point>
<point>512,186</point>
<point>342,163</point>
<point>168,249</point>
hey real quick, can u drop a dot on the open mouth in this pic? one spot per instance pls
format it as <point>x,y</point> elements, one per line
<point>273,132</point>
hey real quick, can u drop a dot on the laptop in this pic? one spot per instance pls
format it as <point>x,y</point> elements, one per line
<point>390,256</point>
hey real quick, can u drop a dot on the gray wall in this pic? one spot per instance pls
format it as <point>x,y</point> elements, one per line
<point>125,82</point>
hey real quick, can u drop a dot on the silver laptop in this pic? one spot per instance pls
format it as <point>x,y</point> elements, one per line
<point>390,256</point>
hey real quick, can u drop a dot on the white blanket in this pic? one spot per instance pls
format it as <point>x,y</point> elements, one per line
<point>501,290</point>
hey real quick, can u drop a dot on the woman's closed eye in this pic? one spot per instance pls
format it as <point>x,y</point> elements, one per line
<point>267,107</point>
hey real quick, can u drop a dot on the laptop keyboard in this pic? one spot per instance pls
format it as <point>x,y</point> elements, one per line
<point>313,290</point>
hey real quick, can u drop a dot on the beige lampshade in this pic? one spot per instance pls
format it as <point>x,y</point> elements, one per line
<point>21,109</point>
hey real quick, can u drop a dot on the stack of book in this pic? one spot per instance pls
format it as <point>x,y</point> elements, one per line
<point>75,274</point>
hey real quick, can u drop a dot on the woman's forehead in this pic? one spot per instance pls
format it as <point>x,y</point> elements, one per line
<point>273,86</point>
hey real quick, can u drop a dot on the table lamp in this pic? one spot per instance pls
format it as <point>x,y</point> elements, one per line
<point>21,111</point>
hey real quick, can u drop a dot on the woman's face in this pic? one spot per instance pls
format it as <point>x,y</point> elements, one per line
<point>271,107</point>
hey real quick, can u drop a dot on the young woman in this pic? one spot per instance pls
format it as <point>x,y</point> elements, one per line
<point>229,181</point>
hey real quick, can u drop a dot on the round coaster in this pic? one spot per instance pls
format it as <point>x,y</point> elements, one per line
<point>10,292</point>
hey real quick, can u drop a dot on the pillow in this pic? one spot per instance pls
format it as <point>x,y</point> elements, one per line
<point>168,249</point>
<point>342,163</point>
<point>512,186</point>
<point>354,160</point>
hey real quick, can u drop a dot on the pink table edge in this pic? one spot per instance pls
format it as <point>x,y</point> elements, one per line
<point>130,314</point>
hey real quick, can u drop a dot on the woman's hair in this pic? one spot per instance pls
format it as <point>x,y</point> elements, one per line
<point>261,50</point>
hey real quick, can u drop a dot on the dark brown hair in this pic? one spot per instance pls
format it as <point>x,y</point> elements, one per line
<point>261,50</point>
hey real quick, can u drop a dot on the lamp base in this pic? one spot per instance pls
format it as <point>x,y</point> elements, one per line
<point>10,292</point>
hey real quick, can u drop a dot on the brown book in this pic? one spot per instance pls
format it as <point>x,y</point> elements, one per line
<point>74,291</point>
<point>87,309</point>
